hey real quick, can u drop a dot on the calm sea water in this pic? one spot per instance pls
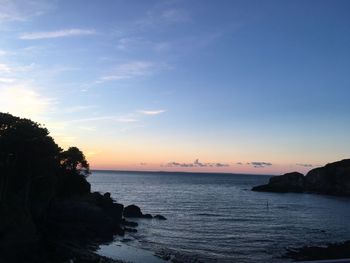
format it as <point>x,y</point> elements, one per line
<point>216,218</point>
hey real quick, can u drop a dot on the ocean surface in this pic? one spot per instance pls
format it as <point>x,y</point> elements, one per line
<point>216,218</point>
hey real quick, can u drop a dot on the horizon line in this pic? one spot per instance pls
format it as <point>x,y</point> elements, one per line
<point>183,172</point>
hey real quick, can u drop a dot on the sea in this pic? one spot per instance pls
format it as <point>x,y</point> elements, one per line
<point>217,218</point>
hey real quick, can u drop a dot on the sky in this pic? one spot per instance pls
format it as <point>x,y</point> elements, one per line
<point>258,87</point>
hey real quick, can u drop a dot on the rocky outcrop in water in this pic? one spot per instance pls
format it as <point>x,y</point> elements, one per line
<point>160,217</point>
<point>332,179</point>
<point>133,211</point>
<point>290,182</point>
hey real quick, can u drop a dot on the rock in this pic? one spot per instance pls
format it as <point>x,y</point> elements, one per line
<point>332,179</point>
<point>105,202</point>
<point>18,233</point>
<point>289,182</point>
<point>130,230</point>
<point>129,223</point>
<point>148,216</point>
<point>133,211</point>
<point>332,251</point>
<point>160,217</point>
<point>77,219</point>
<point>107,195</point>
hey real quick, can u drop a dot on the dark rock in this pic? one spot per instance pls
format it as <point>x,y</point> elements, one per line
<point>82,220</point>
<point>332,179</point>
<point>332,251</point>
<point>160,217</point>
<point>18,233</point>
<point>107,195</point>
<point>148,216</point>
<point>132,211</point>
<point>130,230</point>
<point>105,202</point>
<point>78,254</point>
<point>290,182</point>
<point>129,223</point>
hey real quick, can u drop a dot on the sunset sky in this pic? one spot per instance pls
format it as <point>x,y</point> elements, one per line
<point>216,86</point>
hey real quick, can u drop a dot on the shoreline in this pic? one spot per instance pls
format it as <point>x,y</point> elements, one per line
<point>120,251</point>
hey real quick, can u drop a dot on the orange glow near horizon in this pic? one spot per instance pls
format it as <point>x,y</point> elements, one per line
<point>100,162</point>
<point>137,155</point>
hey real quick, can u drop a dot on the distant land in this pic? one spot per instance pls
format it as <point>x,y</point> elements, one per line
<point>332,179</point>
<point>170,172</point>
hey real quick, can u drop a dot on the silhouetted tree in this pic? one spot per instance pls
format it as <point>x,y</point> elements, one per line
<point>74,160</point>
<point>28,157</point>
<point>74,170</point>
<point>34,169</point>
<point>37,179</point>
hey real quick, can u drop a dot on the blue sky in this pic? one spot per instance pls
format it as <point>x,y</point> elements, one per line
<point>156,85</point>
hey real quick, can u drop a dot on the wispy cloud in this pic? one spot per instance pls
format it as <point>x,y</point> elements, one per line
<point>196,163</point>
<point>131,117</point>
<point>129,70</point>
<point>121,119</point>
<point>14,75</point>
<point>4,68</point>
<point>78,108</point>
<point>126,119</point>
<point>90,119</point>
<point>259,164</point>
<point>57,34</point>
<point>151,112</point>
<point>24,101</point>
<point>7,80</point>
<point>22,10</point>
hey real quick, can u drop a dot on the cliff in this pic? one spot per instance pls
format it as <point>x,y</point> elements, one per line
<point>332,179</point>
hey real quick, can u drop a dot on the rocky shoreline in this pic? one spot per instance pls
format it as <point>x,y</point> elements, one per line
<point>73,230</point>
<point>330,251</point>
<point>100,220</point>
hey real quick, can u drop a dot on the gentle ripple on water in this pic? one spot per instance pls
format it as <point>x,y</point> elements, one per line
<point>217,218</point>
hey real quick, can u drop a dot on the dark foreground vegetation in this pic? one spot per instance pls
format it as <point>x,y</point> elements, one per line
<point>47,210</point>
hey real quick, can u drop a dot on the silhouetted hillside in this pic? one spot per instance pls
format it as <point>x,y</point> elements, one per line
<point>45,200</point>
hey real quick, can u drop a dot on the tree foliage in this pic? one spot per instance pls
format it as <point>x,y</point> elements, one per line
<point>74,160</point>
<point>33,168</point>
<point>35,175</point>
